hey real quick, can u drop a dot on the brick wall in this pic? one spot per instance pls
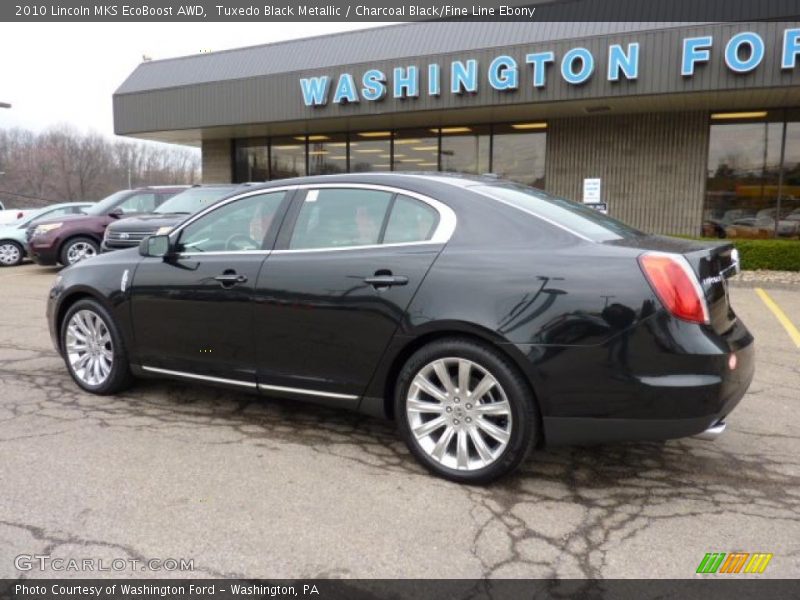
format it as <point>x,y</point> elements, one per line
<point>216,161</point>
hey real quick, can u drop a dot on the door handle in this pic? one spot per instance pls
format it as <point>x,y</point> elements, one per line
<point>227,279</point>
<point>386,280</point>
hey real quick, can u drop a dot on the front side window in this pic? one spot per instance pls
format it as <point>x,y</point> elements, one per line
<point>139,203</point>
<point>410,221</point>
<point>242,225</point>
<point>335,218</point>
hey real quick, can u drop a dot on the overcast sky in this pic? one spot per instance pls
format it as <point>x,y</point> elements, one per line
<point>66,73</point>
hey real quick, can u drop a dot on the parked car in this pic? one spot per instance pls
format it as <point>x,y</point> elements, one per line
<point>485,317</point>
<point>13,215</point>
<point>128,232</point>
<point>12,236</point>
<point>71,239</point>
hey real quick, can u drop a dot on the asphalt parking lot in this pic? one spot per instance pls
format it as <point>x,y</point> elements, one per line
<point>254,488</point>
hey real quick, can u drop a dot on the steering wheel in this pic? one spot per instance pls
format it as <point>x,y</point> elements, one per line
<point>241,241</point>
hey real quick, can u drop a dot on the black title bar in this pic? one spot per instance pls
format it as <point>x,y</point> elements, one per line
<point>396,10</point>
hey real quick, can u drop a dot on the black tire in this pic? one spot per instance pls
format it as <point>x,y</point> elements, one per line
<point>119,377</point>
<point>525,428</point>
<point>63,255</point>
<point>8,260</point>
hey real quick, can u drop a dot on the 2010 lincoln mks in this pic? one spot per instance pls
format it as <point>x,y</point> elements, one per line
<point>485,317</point>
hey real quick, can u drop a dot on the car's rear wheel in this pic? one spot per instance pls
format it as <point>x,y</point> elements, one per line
<point>93,349</point>
<point>11,253</point>
<point>78,249</point>
<point>465,411</point>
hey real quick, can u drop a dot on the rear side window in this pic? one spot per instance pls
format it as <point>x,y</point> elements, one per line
<point>336,218</point>
<point>570,215</point>
<point>410,221</point>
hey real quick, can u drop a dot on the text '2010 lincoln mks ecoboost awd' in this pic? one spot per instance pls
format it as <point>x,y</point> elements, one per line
<point>485,317</point>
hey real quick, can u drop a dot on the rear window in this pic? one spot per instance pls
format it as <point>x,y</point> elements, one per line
<point>570,215</point>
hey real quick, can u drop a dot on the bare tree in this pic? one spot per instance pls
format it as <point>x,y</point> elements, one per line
<point>62,164</point>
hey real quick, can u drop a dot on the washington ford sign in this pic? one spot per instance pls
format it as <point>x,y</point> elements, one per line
<point>743,52</point>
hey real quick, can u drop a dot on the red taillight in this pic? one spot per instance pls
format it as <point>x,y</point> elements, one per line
<point>676,286</point>
<point>20,215</point>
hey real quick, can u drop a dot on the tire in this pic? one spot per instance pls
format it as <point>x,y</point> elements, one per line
<point>514,415</point>
<point>77,249</point>
<point>88,316</point>
<point>11,253</point>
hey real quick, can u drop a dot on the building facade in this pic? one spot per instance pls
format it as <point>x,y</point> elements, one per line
<point>679,128</point>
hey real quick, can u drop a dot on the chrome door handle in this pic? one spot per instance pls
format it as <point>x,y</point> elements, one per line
<point>231,278</point>
<point>386,280</point>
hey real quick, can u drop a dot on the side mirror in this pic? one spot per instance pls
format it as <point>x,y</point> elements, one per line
<point>116,213</point>
<point>156,246</point>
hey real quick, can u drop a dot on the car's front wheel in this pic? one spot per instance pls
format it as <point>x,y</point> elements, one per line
<point>78,249</point>
<point>465,411</point>
<point>11,253</point>
<point>93,349</point>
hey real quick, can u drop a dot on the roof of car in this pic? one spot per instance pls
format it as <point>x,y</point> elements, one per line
<point>385,178</point>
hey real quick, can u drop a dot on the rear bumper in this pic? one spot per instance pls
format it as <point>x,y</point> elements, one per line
<point>684,393</point>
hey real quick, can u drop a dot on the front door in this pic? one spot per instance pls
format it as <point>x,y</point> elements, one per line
<point>193,311</point>
<point>329,301</point>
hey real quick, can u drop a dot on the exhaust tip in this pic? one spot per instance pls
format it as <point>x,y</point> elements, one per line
<point>712,432</point>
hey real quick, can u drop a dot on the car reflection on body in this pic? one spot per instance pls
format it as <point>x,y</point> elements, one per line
<point>485,317</point>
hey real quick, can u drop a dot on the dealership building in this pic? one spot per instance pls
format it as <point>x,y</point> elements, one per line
<point>679,128</point>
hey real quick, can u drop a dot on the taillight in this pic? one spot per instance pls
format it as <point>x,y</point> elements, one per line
<point>675,284</point>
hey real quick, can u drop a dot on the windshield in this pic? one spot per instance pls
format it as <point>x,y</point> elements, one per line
<point>570,215</point>
<point>106,204</point>
<point>193,200</point>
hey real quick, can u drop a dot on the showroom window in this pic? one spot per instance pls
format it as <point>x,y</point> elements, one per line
<point>416,150</point>
<point>752,186</point>
<point>327,154</point>
<point>288,157</point>
<point>251,160</point>
<point>370,151</point>
<point>512,151</point>
<point>465,149</point>
<point>518,152</point>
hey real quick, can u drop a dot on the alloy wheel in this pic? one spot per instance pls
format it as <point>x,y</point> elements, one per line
<point>79,251</point>
<point>9,254</point>
<point>459,414</point>
<point>89,348</point>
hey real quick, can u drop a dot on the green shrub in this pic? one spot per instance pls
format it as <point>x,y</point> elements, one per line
<point>770,255</point>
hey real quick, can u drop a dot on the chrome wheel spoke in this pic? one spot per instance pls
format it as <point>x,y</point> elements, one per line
<point>486,384</point>
<point>429,427</point>
<point>442,443</point>
<point>427,386</point>
<point>501,435</point>
<point>464,369</point>
<point>462,451</point>
<point>444,376</point>
<point>424,407</point>
<point>480,445</point>
<point>497,409</point>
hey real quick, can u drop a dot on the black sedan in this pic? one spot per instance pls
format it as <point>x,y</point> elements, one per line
<point>485,317</point>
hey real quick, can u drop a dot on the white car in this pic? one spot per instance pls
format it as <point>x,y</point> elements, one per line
<point>11,215</point>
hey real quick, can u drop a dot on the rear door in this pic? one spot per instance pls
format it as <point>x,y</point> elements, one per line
<point>332,294</point>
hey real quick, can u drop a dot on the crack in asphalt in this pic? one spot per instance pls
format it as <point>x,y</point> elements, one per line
<point>559,516</point>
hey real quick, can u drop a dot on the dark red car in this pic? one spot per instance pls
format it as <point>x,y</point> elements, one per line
<point>70,239</point>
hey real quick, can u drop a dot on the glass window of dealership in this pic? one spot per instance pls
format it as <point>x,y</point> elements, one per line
<point>752,186</point>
